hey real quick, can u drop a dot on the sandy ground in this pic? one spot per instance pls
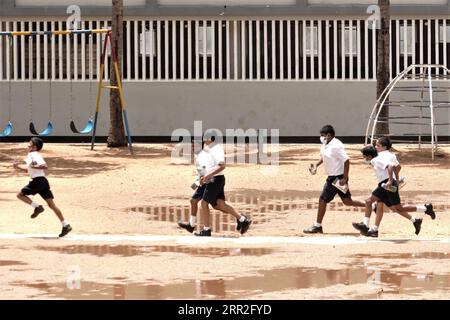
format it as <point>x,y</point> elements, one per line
<point>108,192</point>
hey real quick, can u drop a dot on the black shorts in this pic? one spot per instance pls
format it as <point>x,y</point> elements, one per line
<point>198,193</point>
<point>387,197</point>
<point>214,190</point>
<point>329,192</point>
<point>38,185</point>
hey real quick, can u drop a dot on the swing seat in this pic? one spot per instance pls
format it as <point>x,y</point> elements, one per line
<point>87,129</point>
<point>46,132</point>
<point>8,130</point>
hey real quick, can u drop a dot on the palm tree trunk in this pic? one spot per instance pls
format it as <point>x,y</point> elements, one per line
<point>116,136</point>
<point>383,75</point>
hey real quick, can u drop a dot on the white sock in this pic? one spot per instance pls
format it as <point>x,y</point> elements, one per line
<point>374,228</point>
<point>366,221</point>
<point>64,223</point>
<point>317,224</point>
<point>193,221</point>
<point>35,205</point>
<point>242,218</point>
<point>413,219</point>
<point>421,208</point>
<point>206,228</point>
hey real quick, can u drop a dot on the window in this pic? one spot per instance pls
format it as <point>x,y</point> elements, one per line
<point>311,32</point>
<point>201,31</point>
<point>441,34</point>
<point>150,43</point>
<point>350,32</point>
<point>409,40</point>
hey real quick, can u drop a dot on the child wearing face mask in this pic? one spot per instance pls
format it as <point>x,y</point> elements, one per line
<point>386,165</point>
<point>337,166</point>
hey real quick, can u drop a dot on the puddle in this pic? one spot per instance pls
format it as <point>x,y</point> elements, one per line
<point>418,255</point>
<point>261,206</point>
<point>11,263</point>
<point>376,280</point>
<point>131,251</point>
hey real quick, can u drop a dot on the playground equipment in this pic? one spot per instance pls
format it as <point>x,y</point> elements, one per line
<point>7,131</point>
<point>90,124</point>
<point>49,129</point>
<point>416,111</point>
<point>107,38</point>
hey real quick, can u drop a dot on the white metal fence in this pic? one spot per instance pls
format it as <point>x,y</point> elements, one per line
<point>256,50</point>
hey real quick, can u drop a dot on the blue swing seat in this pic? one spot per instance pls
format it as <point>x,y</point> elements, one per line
<point>87,129</point>
<point>46,132</point>
<point>8,130</point>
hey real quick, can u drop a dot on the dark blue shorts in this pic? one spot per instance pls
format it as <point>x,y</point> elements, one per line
<point>329,192</point>
<point>387,197</point>
<point>211,191</point>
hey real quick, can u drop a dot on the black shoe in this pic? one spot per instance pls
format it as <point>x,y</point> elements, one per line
<point>36,212</point>
<point>244,225</point>
<point>238,223</point>
<point>370,233</point>
<point>313,229</point>
<point>65,230</point>
<point>204,233</point>
<point>186,225</point>
<point>430,211</point>
<point>360,227</point>
<point>417,224</point>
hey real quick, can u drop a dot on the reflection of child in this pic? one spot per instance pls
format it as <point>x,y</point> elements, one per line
<point>384,163</point>
<point>39,183</point>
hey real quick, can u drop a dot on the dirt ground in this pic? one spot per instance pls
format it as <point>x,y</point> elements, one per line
<point>110,193</point>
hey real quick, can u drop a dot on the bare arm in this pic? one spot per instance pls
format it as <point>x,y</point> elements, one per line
<point>344,179</point>
<point>220,168</point>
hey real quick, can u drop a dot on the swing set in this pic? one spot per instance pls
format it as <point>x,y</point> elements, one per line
<point>91,125</point>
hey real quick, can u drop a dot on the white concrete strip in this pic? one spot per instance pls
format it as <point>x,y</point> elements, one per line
<point>248,240</point>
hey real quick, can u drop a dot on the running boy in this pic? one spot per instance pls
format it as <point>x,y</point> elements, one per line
<point>202,161</point>
<point>384,166</point>
<point>337,166</point>
<point>35,166</point>
<point>214,183</point>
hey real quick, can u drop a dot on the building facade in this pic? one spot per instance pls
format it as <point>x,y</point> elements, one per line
<point>293,65</point>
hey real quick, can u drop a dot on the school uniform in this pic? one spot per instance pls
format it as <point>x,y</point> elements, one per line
<point>39,183</point>
<point>202,162</point>
<point>380,165</point>
<point>214,189</point>
<point>333,156</point>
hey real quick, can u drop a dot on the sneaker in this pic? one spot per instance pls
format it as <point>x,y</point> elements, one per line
<point>370,233</point>
<point>360,227</point>
<point>417,224</point>
<point>430,211</point>
<point>186,225</point>
<point>238,223</point>
<point>36,212</point>
<point>204,233</point>
<point>244,225</point>
<point>313,229</point>
<point>65,230</point>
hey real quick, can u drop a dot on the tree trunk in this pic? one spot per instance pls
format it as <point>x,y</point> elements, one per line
<point>383,64</point>
<point>116,136</point>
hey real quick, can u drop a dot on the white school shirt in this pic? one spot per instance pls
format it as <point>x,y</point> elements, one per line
<point>202,162</point>
<point>334,156</point>
<point>381,162</point>
<point>36,159</point>
<point>217,155</point>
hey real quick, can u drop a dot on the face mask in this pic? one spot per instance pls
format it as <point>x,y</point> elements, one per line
<point>323,140</point>
<point>367,161</point>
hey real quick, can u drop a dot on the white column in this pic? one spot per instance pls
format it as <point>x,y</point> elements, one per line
<point>297,53</point>
<point>327,49</point>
